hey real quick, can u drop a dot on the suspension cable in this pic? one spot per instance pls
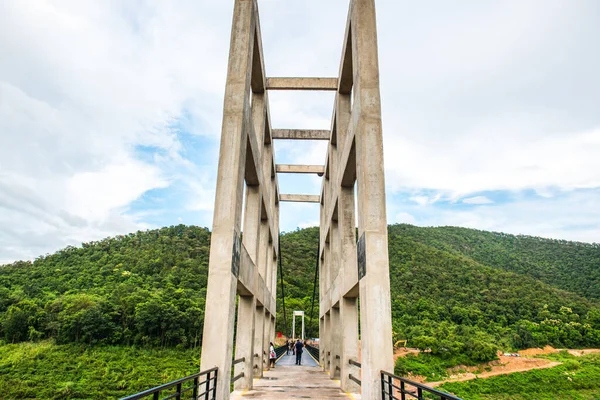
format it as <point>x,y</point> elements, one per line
<point>285,329</point>
<point>312,306</point>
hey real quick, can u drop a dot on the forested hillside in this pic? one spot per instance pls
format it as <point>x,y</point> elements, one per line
<point>454,290</point>
<point>146,288</point>
<point>446,299</point>
<point>572,266</point>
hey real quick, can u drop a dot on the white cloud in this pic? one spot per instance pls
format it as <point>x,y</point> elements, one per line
<point>405,218</point>
<point>490,96</point>
<point>477,200</point>
<point>82,84</point>
<point>570,216</point>
<point>477,96</point>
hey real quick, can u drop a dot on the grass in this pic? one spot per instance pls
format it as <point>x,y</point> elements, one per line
<point>578,378</point>
<point>48,371</point>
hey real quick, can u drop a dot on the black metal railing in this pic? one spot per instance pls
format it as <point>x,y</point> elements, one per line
<point>202,385</point>
<point>352,377</point>
<point>241,374</point>
<point>313,351</point>
<point>280,350</point>
<point>396,388</point>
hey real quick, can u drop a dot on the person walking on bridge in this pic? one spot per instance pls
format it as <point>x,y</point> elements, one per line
<point>299,345</point>
<point>272,356</point>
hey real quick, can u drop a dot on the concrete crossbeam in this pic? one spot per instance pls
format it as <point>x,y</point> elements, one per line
<point>302,83</point>
<point>300,169</point>
<point>300,198</point>
<point>301,134</point>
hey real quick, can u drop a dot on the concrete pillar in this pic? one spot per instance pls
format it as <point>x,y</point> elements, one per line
<point>374,286</point>
<point>349,348</point>
<point>263,252</point>
<point>322,353</point>
<point>273,320</point>
<point>269,269</point>
<point>266,340</point>
<point>327,337</point>
<point>244,343</point>
<point>348,305</point>
<point>251,235</point>
<point>217,339</point>
<point>335,344</point>
<point>259,336</point>
<point>274,274</point>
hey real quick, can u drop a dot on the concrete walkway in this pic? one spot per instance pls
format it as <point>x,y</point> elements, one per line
<point>290,381</point>
<point>287,361</point>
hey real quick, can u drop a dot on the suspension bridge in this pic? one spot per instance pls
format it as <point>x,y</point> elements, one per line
<point>352,257</point>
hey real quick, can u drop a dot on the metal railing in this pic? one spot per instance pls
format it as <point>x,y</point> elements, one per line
<point>241,374</point>
<point>280,350</point>
<point>396,388</point>
<point>352,377</point>
<point>313,351</point>
<point>190,387</point>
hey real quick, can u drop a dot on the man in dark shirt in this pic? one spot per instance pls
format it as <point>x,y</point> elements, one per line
<point>299,347</point>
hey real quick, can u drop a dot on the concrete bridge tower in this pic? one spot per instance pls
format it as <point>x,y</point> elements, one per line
<point>352,268</point>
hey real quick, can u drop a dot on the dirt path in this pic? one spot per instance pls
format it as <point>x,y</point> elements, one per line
<point>506,365</point>
<point>582,352</point>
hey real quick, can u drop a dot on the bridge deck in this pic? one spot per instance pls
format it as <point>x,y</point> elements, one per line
<point>290,381</point>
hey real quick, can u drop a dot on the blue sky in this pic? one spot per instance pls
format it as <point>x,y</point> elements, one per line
<point>110,113</point>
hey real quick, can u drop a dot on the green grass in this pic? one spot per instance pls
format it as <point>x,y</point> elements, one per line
<point>48,371</point>
<point>578,378</point>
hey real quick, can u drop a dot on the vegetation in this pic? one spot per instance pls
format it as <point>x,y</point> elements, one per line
<point>578,378</point>
<point>144,288</point>
<point>571,266</point>
<point>457,307</point>
<point>45,370</point>
<point>459,293</point>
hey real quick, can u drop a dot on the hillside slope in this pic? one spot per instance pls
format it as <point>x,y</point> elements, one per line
<point>145,287</point>
<point>572,266</point>
<point>149,287</point>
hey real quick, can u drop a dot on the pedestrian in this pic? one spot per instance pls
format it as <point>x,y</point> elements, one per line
<point>299,347</point>
<point>289,347</point>
<point>272,355</point>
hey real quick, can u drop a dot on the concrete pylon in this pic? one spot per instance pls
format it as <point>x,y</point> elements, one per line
<point>294,315</point>
<point>236,268</point>
<point>352,268</point>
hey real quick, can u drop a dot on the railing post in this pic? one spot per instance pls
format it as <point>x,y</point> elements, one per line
<point>155,396</point>
<point>390,383</point>
<point>178,388</point>
<point>215,385</point>
<point>195,389</point>
<point>402,390</point>
<point>207,389</point>
<point>382,386</point>
<point>420,393</point>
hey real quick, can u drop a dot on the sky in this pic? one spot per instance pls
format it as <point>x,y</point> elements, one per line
<point>110,113</point>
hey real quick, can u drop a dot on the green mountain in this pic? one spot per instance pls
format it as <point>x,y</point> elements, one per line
<point>454,290</point>
<point>572,266</point>
<point>143,288</point>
